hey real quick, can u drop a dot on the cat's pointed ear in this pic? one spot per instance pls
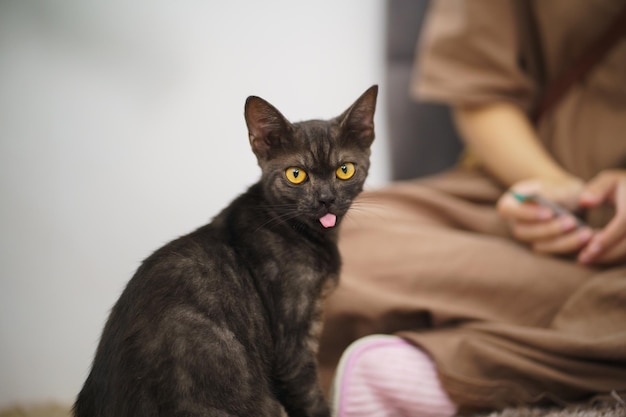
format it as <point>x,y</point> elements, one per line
<point>358,121</point>
<point>266,126</point>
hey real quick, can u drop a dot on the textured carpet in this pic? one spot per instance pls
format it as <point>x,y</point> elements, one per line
<point>611,406</point>
<point>606,410</point>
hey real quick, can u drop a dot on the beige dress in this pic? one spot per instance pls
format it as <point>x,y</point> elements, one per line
<point>431,260</point>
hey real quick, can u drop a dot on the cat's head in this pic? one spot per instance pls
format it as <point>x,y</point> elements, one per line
<point>312,170</point>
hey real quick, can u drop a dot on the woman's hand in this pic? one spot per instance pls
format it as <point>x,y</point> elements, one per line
<point>539,226</point>
<point>608,245</point>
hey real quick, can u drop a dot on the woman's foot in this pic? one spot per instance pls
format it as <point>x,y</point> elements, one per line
<point>386,376</point>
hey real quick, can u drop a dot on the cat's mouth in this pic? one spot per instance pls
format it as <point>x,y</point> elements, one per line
<point>328,220</point>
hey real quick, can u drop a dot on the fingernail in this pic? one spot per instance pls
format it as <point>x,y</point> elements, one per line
<point>544,213</point>
<point>594,247</point>
<point>567,223</point>
<point>584,258</point>
<point>583,236</point>
<point>589,196</point>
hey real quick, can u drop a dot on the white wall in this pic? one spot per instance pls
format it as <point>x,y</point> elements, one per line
<point>121,127</point>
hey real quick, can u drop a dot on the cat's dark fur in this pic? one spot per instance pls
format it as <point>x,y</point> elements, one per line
<point>224,321</point>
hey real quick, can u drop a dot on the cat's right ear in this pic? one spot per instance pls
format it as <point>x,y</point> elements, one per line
<point>266,126</point>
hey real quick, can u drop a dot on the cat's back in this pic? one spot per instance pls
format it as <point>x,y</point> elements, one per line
<point>190,310</point>
<point>202,273</point>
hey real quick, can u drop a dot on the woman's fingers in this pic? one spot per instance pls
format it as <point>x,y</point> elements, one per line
<point>565,243</point>
<point>544,230</point>
<point>510,208</point>
<point>609,244</point>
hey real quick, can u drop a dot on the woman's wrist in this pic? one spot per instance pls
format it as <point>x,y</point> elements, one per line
<point>502,138</point>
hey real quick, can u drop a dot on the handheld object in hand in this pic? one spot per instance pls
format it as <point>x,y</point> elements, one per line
<point>557,209</point>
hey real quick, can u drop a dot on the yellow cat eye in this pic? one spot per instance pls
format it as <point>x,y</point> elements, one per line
<point>345,171</point>
<point>295,175</point>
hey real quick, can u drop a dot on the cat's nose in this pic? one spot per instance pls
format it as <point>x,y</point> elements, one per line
<point>326,200</point>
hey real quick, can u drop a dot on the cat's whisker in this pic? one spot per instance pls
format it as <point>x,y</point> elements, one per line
<point>362,206</point>
<point>278,220</point>
<point>359,212</point>
<point>367,198</point>
<point>284,205</point>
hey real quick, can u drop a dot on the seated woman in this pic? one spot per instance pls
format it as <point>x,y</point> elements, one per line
<point>487,301</point>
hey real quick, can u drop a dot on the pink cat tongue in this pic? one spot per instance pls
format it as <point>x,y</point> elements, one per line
<point>328,220</point>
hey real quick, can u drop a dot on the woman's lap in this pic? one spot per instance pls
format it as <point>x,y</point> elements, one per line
<point>431,259</point>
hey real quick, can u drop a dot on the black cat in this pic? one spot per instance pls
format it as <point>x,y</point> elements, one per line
<point>225,321</point>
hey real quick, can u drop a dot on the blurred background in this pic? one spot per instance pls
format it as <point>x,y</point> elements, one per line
<point>121,128</point>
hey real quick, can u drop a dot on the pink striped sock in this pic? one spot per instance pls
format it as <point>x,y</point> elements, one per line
<point>385,376</point>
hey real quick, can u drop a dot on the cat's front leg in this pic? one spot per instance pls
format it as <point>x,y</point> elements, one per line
<point>299,389</point>
<point>296,373</point>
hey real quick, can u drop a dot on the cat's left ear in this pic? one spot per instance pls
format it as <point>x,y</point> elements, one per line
<point>358,121</point>
<point>267,127</point>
